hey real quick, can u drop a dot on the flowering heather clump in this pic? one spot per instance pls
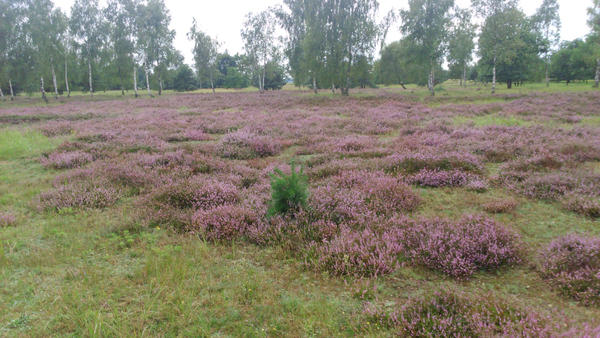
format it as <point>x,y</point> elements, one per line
<point>244,144</point>
<point>501,206</point>
<point>80,194</point>
<point>460,248</point>
<point>477,185</point>
<point>56,129</point>
<point>386,195</point>
<point>223,223</point>
<point>413,163</point>
<point>197,135</point>
<point>583,205</point>
<point>339,205</point>
<point>548,186</point>
<point>7,219</point>
<point>359,253</point>
<point>438,178</point>
<point>448,314</point>
<point>197,192</point>
<point>66,160</point>
<point>572,265</point>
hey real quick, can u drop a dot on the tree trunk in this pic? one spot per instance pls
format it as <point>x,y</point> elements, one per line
<point>315,85</point>
<point>12,94</point>
<point>54,83</point>
<point>90,77</point>
<point>464,77</point>
<point>402,85</point>
<point>135,89</point>
<point>160,86</point>
<point>597,78</point>
<point>547,73</point>
<point>2,94</point>
<point>42,89</point>
<point>67,80</point>
<point>430,80</point>
<point>212,83</point>
<point>494,77</point>
<point>509,84</point>
<point>147,81</point>
<point>333,88</point>
<point>121,81</point>
<point>262,84</point>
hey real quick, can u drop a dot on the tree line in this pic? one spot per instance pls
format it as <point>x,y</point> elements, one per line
<point>127,45</point>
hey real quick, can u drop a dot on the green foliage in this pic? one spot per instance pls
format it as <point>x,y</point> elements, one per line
<point>573,61</point>
<point>185,79</point>
<point>288,192</point>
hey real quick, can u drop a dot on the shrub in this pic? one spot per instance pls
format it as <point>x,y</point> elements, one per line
<point>583,205</point>
<point>572,265</point>
<point>386,195</point>
<point>197,192</point>
<point>288,192</point>
<point>500,206</point>
<point>358,253</point>
<point>438,178</point>
<point>82,194</point>
<point>450,314</point>
<point>66,160</point>
<point>223,223</point>
<point>244,144</point>
<point>548,187</point>
<point>7,219</point>
<point>413,163</point>
<point>339,205</point>
<point>460,248</point>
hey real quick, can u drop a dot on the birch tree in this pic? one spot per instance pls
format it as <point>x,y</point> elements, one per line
<point>88,28</point>
<point>155,39</point>
<point>426,24</point>
<point>460,43</point>
<point>258,34</point>
<point>594,22</point>
<point>547,22</point>
<point>205,54</point>
<point>490,11</point>
<point>121,28</point>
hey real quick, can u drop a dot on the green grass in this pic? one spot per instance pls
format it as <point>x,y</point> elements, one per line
<point>98,273</point>
<point>16,144</point>
<point>492,120</point>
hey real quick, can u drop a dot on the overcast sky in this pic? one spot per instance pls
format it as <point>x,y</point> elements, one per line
<point>223,19</point>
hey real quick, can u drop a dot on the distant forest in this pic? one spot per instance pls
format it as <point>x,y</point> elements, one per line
<point>128,46</point>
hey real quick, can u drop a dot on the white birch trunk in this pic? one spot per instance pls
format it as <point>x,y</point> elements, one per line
<point>547,75</point>
<point>597,78</point>
<point>212,82</point>
<point>160,86</point>
<point>2,94</point>
<point>42,89</point>
<point>315,85</point>
<point>12,94</point>
<point>67,79</point>
<point>430,81</point>
<point>54,83</point>
<point>464,78</point>
<point>147,80</point>
<point>135,89</point>
<point>494,77</point>
<point>90,77</point>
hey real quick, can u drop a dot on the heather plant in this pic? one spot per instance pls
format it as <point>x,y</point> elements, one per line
<point>453,314</point>
<point>223,223</point>
<point>358,253</point>
<point>415,162</point>
<point>196,192</point>
<point>438,178</point>
<point>80,194</point>
<point>7,219</point>
<point>503,205</point>
<point>584,205</point>
<point>288,192</point>
<point>571,264</point>
<point>459,249</point>
<point>243,144</point>
<point>66,160</point>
